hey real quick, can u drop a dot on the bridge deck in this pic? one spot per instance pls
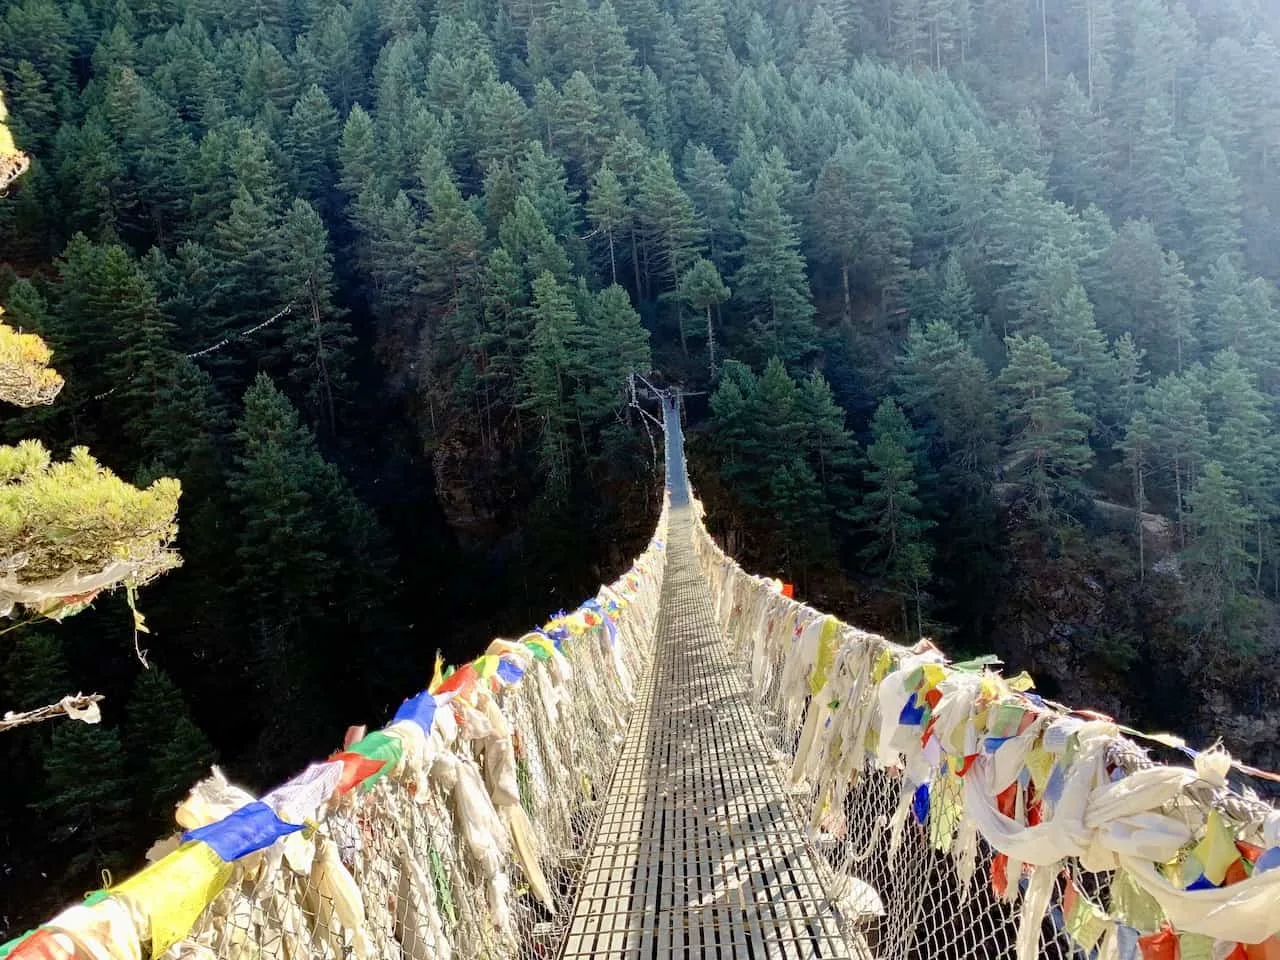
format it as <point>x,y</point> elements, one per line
<point>698,853</point>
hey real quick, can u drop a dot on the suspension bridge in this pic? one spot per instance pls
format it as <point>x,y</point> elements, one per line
<point>692,763</point>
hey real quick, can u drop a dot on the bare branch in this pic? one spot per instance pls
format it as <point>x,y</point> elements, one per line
<point>82,707</point>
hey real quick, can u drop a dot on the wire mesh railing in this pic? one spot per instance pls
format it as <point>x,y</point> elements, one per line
<point>960,815</point>
<point>458,832</point>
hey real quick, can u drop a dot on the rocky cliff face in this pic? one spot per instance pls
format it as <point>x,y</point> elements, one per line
<point>475,490</point>
<point>1094,635</point>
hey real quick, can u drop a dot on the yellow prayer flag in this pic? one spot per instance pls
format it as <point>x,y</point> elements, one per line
<point>826,655</point>
<point>934,674</point>
<point>1040,765</point>
<point>175,890</point>
<point>1217,849</point>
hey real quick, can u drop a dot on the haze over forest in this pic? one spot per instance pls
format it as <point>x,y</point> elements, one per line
<point>976,300</point>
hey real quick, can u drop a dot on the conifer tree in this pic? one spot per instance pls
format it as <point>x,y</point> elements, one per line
<point>826,442</point>
<point>525,237</point>
<point>317,338</point>
<point>612,345</point>
<point>948,391</point>
<point>671,229</point>
<point>311,137</point>
<point>1211,208</point>
<point>544,380</point>
<point>1136,445</point>
<point>87,797</point>
<point>771,283</point>
<point>824,48</point>
<point>607,210</point>
<point>311,563</point>
<point>714,199</point>
<point>702,288</point>
<point>1179,437</point>
<point>892,513</point>
<point>1217,560</point>
<point>357,153</point>
<point>864,214</point>
<point>796,499</point>
<point>167,750</point>
<point>35,671</point>
<point>1046,452</point>
<point>1156,170</point>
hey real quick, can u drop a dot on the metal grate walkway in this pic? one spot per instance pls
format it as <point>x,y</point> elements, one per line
<point>698,853</point>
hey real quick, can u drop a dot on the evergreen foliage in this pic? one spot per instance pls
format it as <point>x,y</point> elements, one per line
<point>1025,256</point>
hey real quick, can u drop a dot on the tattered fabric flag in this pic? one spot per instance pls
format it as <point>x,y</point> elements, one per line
<point>1006,721</point>
<point>1189,873</point>
<point>920,803</point>
<point>383,748</point>
<point>1268,949</point>
<point>826,656</point>
<point>444,890</point>
<point>356,769</point>
<point>541,646</point>
<point>1133,905</point>
<point>509,672</point>
<point>1007,801</point>
<point>1084,919</point>
<point>1216,851</point>
<point>251,828</point>
<point>420,710</point>
<point>1195,946</point>
<point>912,713</point>
<point>1127,942</point>
<point>174,891</point>
<point>884,663</point>
<point>1000,875</point>
<point>1161,945</point>
<point>39,944</point>
<point>946,806</point>
<point>608,618</point>
<point>461,680</point>
<point>1270,860</point>
<point>8,947</point>
<point>1040,764</point>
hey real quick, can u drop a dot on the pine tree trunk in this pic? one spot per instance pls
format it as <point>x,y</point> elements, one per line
<point>635,262</point>
<point>326,387</point>
<point>711,343</point>
<point>1177,485</point>
<point>1257,574</point>
<point>1089,44</point>
<point>675,292</point>
<point>1044,34</point>
<point>613,265</point>
<point>1142,498</point>
<point>844,281</point>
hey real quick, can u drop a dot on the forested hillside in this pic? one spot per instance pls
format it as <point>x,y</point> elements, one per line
<point>975,301</point>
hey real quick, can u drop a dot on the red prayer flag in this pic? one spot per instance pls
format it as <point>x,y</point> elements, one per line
<point>1161,945</point>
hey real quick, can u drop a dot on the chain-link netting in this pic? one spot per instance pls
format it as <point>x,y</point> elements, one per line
<point>1146,862</point>
<point>458,832</point>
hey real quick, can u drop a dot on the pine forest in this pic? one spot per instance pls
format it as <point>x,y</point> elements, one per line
<point>973,304</point>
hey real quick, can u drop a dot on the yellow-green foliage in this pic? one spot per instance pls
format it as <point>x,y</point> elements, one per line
<point>65,522</point>
<point>13,162</point>
<point>67,530</point>
<point>25,376</point>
